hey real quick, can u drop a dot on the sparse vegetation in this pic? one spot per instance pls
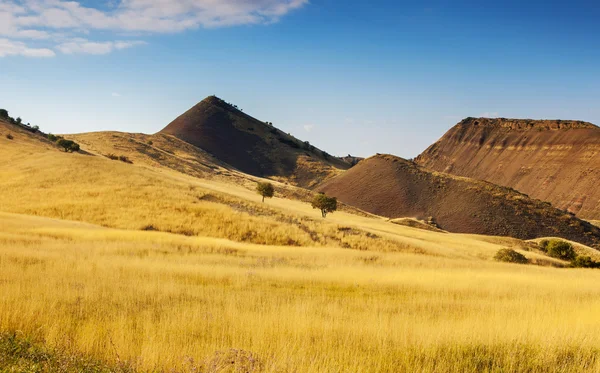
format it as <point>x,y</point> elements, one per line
<point>18,353</point>
<point>125,159</point>
<point>558,249</point>
<point>9,136</point>
<point>122,158</point>
<point>265,189</point>
<point>584,262</point>
<point>510,256</point>
<point>68,146</point>
<point>324,203</point>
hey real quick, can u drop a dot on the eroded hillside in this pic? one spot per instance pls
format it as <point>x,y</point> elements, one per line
<point>552,160</point>
<point>393,187</point>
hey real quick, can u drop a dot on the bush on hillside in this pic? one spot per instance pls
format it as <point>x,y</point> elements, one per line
<point>510,256</point>
<point>125,159</point>
<point>4,114</point>
<point>558,249</point>
<point>584,262</point>
<point>69,146</point>
<point>122,158</point>
<point>9,136</point>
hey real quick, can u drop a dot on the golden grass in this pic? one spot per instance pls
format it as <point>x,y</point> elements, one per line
<point>271,287</point>
<point>157,300</point>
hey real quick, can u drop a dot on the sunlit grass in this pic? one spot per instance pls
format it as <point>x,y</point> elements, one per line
<point>270,287</point>
<point>157,300</point>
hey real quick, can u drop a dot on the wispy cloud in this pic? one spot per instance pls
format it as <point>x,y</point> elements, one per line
<point>115,94</point>
<point>309,127</point>
<point>84,46</point>
<point>15,48</point>
<point>62,23</point>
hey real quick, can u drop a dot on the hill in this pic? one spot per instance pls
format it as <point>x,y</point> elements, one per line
<point>552,160</point>
<point>151,269</point>
<point>252,146</point>
<point>393,187</point>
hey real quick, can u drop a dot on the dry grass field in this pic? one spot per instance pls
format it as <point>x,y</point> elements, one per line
<point>107,266</point>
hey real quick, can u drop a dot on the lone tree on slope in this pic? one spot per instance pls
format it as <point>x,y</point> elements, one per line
<point>324,203</point>
<point>68,145</point>
<point>265,190</point>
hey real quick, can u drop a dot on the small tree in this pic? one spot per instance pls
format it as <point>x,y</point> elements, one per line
<point>510,256</point>
<point>4,114</point>
<point>324,203</point>
<point>265,190</point>
<point>584,262</point>
<point>19,120</point>
<point>68,145</point>
<point>561,250</point>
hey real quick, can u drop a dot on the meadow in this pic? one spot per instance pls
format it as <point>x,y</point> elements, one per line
<point>154,301</point>
<point>106,266</point>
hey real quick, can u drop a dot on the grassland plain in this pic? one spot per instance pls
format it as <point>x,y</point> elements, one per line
<point>106,266</point>
<point>158,301</point>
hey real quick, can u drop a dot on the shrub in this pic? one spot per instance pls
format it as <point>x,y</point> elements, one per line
<point>68,145</point>
<point>52,137</point>
<point>265,190</point>
<point>324,203</point>
<point>584,262</point>
<point>4,114</point>
<point>150,142</point>
<point>9,136</point>
<point>291,143</point>
<point>544,245</point>
<point>510,256</point>
<point>561,250</point>
<point>125,159</point>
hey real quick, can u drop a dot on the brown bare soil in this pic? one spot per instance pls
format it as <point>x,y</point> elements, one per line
<point>393,187</point>
<point>252,146</point>
<point>552,160</point>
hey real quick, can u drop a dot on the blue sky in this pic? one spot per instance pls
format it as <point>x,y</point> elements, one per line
<point>350,77</point>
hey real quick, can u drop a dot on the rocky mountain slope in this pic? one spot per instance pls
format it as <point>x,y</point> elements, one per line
<point>393,187</point>
<point>552,160</point>
<point>253,146</point>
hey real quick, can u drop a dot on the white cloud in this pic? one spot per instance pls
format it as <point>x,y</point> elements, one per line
<point>84,46</point>
<point>115,94</point>
<point>309,127</point>
<point>15,48</point>
<point>52,19</point>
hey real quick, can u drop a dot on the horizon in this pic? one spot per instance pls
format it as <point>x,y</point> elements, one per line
<point>391,78</point>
